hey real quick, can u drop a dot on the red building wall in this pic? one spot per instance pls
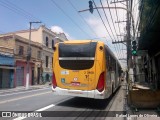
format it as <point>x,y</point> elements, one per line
<point>21,72</point>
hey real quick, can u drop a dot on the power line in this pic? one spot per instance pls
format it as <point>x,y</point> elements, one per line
<point>86,22</point>
<point>117,16</point>
<point>115,29</point>
<point>136,4</point>
<point>118,23</point>
<point>13,10</point>
<point>139,17</point>
<point>119,46</point>
<point>17,10</point>
<point>108,21</point>
<point>103,22</point>
<point>27,13</point>
<point>112,20</point>
<point>82,18</point>
<point>69,17</point>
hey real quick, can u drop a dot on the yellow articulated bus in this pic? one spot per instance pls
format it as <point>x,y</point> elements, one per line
<point>85,69</point>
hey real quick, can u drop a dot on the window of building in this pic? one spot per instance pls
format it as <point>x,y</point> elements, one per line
<point>47,41</point>
<point>38,54</point>
<point>52,44</point>
<point>47,77</point>
<point>21,50</point>
<point>46,61</point>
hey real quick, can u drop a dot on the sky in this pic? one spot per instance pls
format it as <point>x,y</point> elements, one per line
<point>63,16</point>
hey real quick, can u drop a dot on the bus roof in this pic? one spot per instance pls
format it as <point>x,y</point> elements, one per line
<point>78,41</point>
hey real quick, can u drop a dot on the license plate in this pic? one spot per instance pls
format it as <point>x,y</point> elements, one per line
<point>75,83</point>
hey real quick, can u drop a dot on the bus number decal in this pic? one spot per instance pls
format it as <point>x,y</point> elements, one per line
<point>87,76</point>
<point>88,72</point>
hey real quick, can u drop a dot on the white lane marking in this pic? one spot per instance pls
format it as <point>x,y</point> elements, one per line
<point>6,101</point>
<point>25,91</point>
<point>44,108</point>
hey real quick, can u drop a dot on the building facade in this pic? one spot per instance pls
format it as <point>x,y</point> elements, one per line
<point>7,63</point>
<point>40,65</point>
<point>47,38</point>
<point>35,63</point>
<point>16,75</point>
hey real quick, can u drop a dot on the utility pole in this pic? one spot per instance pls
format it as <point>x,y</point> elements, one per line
<point>128,42</point>
<point>29,55</point>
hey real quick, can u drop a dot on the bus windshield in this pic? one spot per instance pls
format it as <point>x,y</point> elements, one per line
<point>77,50</point>
<point>77,56</point>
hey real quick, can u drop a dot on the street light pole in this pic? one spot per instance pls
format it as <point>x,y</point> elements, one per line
<point>29,54</point>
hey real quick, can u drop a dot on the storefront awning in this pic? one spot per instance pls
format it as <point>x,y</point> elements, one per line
<point>6,60</point>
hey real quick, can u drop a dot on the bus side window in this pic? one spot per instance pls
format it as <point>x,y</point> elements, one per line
<point>108,62</point>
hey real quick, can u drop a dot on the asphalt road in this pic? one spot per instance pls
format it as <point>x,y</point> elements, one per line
<point>61,106</point>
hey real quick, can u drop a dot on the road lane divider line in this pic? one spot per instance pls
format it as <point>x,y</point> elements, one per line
<point>44,108</point>
<point>11,100</point>
<point>39,110</point>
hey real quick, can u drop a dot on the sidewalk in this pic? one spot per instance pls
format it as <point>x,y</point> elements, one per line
<point>141,85</point>
<point>23,88</point>
<point>143,103</point>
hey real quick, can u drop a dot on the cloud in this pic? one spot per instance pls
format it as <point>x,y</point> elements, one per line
<point>97,25</point>
<point>112,30</point>
<point>59,30</point>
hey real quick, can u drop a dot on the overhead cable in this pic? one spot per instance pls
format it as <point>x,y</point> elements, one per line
<point>69,18</point>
